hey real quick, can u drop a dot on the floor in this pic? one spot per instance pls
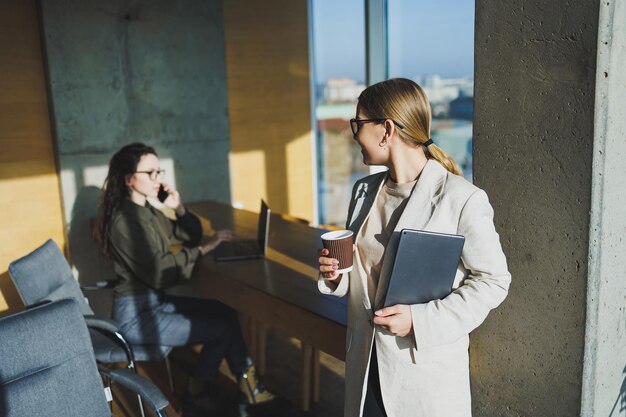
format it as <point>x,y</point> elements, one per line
<point>282,377</point>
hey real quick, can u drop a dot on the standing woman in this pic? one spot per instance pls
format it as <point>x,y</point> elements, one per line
<point>138,238</point>
<point>411,360</point>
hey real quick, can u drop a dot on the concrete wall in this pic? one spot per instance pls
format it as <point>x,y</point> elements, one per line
<point>123,71</point>
<point>604,377</point>
<point>533,145</point>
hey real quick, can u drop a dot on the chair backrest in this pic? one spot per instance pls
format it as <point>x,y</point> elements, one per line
<point>47,364</point>
<point>44,274</point>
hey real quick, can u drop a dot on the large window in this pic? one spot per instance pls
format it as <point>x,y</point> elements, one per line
<point>339,68</point>
<point>430,42</point>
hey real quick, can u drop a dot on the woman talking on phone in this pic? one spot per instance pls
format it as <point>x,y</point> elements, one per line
<point>138,238</point>
<point>411,360</point>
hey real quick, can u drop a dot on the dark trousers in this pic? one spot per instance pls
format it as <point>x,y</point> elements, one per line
<point>181,321</point>
<point>373,406</point>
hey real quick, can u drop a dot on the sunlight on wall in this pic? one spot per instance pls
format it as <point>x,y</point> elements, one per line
<point>35,217</point>
<point>269,104</point>
<point>299,175</point>
<point>94,176</point>
<point>247,179</point>
<point>43,221</point>
<point>69,186</point>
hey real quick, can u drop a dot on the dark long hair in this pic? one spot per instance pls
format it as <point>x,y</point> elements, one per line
<point>122,164</point>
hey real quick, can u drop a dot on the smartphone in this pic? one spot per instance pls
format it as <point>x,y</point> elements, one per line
<point>162,196</point>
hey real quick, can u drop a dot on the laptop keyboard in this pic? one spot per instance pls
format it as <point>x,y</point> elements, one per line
<point>238,247</point>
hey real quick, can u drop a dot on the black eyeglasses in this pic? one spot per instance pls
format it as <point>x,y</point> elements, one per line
<point>355,124</point>
<point>154,174</point>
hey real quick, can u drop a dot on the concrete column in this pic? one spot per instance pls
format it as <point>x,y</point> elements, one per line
<point>604,369</point>
<point>548,136</point>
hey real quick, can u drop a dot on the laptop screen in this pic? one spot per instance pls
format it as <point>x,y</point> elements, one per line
<point>263,228</point>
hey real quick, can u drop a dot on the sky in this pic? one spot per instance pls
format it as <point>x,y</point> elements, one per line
<point>425,37</point>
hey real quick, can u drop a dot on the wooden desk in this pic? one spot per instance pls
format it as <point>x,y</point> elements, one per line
<point>278,291</point>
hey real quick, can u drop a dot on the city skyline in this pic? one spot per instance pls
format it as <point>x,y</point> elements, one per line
<point>440,91</point>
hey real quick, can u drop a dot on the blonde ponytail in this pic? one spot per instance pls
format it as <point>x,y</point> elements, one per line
<point>444,159</point>
<point>404,102</point>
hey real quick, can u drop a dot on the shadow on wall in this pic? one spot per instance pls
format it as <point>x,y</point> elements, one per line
<point>620,402</point>
<point>84,250</point>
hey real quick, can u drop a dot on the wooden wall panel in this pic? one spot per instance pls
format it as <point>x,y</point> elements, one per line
<point>29,182</point>
<point>267,63</point>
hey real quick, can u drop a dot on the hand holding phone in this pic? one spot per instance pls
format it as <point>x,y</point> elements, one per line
<point>171,199</point>
<point>162,196</point>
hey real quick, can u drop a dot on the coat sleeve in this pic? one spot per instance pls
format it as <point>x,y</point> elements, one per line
<point>141,250</point>
<point>188,229</point>
<point>485,287</point>
<point>328,287</point>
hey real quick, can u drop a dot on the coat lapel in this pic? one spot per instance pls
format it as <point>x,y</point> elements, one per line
<point>363,202</point>
<point>416,215</point>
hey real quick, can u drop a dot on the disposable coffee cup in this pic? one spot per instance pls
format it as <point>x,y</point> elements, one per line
<point>339,245</point>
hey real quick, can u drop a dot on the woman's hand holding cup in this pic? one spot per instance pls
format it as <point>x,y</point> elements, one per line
<point>336,256</point>
<point>328,266</point>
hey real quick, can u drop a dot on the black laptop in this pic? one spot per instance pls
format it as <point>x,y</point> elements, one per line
<point>247,249</point>
<point>424,268</point>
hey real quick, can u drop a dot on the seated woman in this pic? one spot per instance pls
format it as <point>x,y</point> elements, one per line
<point>138,238</point>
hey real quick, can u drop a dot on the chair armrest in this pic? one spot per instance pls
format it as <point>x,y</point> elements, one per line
<point>110,328</point>
<point>100,285</point>
<point>101,323</point>
<point>139,385</point>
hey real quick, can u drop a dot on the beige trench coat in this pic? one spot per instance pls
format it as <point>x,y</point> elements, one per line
<point>425,374</point>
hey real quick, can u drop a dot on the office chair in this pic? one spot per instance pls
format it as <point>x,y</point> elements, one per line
<point>48,367</point>
<point>44,274</point>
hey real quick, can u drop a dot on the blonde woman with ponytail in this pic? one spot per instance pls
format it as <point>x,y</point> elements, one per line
<point>411,360</point>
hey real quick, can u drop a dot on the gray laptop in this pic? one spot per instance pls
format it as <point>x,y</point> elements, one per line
<point>424,267</point>
<point>247,249</point>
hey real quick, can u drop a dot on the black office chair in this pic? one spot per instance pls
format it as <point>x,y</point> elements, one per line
<point>44,274</point>
<point>48,367</point>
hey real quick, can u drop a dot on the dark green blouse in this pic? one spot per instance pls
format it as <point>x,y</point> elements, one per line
<point>141,238</point>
